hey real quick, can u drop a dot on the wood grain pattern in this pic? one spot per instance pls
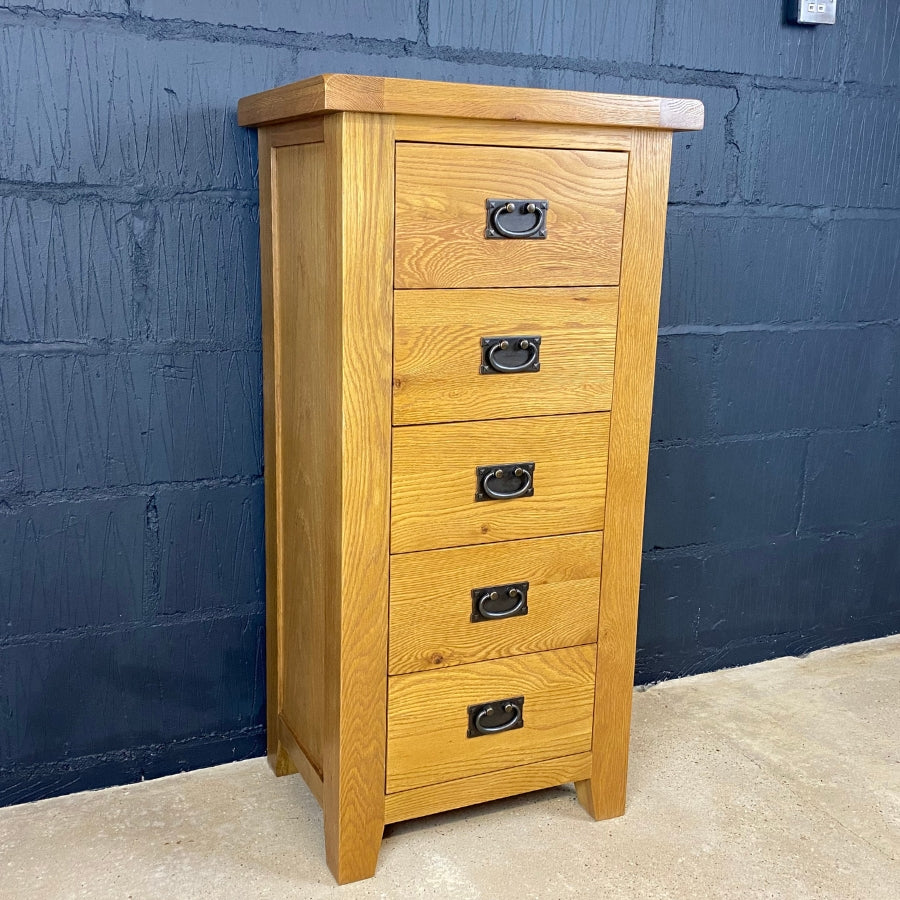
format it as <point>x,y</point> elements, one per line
<point>442,130</point>
<point>431,601</point>
<point>603,795</point>
<point>277,756</point>
<point>300,761</point>
<point>359,187</point>
<point>437,353</point>
<point>308,427</point>
<point>435,798</point>
<point>427,716</point>
<point>440,216</point>
<point>302,131</point>
<point>344,488</point>
<point>361,93</point>
<point>433,480</point>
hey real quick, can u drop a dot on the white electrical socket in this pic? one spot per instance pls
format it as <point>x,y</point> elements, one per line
<point>817,12</point>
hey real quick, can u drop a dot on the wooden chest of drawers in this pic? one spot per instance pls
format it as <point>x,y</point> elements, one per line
<point>460,301</point>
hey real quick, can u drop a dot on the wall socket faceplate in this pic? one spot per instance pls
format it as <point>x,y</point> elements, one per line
<point>816,12</point>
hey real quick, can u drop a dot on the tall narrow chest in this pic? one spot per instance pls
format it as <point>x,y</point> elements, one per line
<point>460,303</point>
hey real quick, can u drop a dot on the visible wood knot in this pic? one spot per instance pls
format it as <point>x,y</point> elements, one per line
<point>398,383</point>
<point>485,529</point>
<point>437,659</point>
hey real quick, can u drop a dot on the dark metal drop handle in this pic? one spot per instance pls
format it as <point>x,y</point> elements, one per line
<point>497,366</point>
<point>536,209</point>
<point>499,495</point>
<point>481,728</point>
<point>503,613</point>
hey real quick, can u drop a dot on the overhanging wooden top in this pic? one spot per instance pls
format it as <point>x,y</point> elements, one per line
<point>364,93</point>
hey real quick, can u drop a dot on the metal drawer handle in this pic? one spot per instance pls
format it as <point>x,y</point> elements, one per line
<point>516,477</point>
<point>480,713</point>
<point>500,601</point>
<point>481,728</point>
<point>497,209</point>
<point>526,366</point>
<point>514,610</point>
<point>494,494</point>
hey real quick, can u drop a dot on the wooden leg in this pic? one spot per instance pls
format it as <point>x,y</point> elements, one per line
<point>603,795</point>
<point>352,842</point>
<point>598,806</point>
<point>358,242</point>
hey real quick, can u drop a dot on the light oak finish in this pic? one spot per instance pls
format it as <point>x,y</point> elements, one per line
<point>433,480</point>
<point>362,93</point>
<point>435,798</point>
<point>327,299</point>
<point>428,720</point>
<point>441,216</point>
<point>431,601</point>
<point>359,186</point>
<point>276,755</point>
<point>303,131</point>
<point>304,494</point>
<point>300,762</point>
<point>603,795</point>
<point>376,417</point>
<point>437,353</point>
<point>441,130</point>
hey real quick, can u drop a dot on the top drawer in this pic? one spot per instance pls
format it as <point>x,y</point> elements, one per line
<point>441,216</point>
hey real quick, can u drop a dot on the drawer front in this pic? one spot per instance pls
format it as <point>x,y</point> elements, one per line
<point>429,716</point>
<point>435,594</point>
<point>434,481</point>
<point>443,371</point>
<point>441,218</point>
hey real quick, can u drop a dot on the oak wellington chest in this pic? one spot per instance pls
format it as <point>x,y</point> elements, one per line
<point>460,302</point>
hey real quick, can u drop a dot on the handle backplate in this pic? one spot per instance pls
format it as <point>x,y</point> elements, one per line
<point>501,601</point>
<point>510,354</point>
<point>504,481</point>
<point>516,220</point>
<point>496,716</point>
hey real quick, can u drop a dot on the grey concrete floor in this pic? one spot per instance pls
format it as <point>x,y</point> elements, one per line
<point>778,780</point>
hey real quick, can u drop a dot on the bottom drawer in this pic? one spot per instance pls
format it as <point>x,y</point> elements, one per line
<point>431,716</point>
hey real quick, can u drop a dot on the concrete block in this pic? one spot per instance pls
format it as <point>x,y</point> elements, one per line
<point>119,7</point>
<point>862,271</point>
<point>205,416</point>
<point>22,784</point>
<point>388,19</point>
<point>734,491</point>
<point>892,388</point>
<point>123,108</point>
<point>824,149</point>
<point>684,397</point>
<point>202,271</point>
<point>823,378</point>
<point>852,480</point>
<point>69,421</point>
<point>711,609</point>
<point>736,270</point>
<point>71,565</point>
<point>212,543</point>
<point>102,692</point>
<point>65,270</point>
<point>747,38</point>
<point>873,44</point>
<point>593,29</point>
<point>83,420</point>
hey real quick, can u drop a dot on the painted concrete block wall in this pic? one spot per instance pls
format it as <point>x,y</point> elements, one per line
<point>131,500</point>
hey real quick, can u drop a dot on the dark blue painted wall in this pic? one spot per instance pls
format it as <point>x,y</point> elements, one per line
<point>131,540</point>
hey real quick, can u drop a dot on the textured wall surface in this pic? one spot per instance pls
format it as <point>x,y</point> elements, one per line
<point>131,510</point>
